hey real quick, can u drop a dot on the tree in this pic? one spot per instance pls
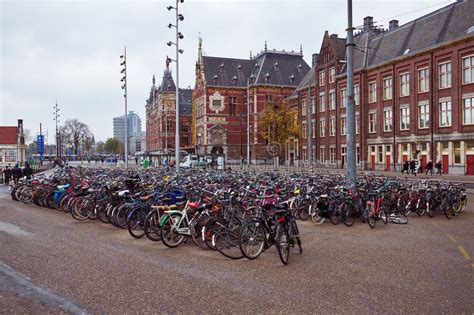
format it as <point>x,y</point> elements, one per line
<point>112,146</point>
<point>100,147</point>
<point>76,134</point>
<point>279,123</point>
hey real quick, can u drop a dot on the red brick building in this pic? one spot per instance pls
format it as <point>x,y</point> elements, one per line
<point>161,118</point>
<point>414,93</point>
<point>220,99</point>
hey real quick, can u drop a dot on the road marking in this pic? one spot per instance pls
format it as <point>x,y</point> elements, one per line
<point>464,252</point>
<point>13,229</point>
<point>451,237</point>
<point>23,287</point>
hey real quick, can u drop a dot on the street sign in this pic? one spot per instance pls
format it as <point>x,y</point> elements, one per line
<point>40,142</point>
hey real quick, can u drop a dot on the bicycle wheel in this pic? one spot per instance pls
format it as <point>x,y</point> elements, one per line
<point>347,215</point>
<point>283,243</point>
<point>430,209</point>
<point>79,211</point>
<point>135,222</point>
<point>315,215</point>
<point>252,239</point>
<point>384,216</point>
<point>209,230</point>
<point>371,220</point>
<point>335,216</point>
<point>303,212</point>
<point>227,243</point>
<point>152,226</point>
<point>197,233</point>
<point>169,234</point>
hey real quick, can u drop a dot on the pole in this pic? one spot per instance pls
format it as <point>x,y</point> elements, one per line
<point>176,146</point>
<point>126,115</point>
<point>310,128</point>
<point>350,111</point>
<point>248,122</point>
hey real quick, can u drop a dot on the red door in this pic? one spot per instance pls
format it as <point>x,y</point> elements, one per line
<point>445,164</point>
<point>470,165</point>
<point>423,161</point>
<point>387,162</point>
<point>405,158</point>
<point>372,162</point>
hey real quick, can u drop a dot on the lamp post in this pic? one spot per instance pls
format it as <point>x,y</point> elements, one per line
<point>350,111</point>
<point>56,119</point>
<point>248,121</point>
<point>179,17</point>
<point>124,87</point>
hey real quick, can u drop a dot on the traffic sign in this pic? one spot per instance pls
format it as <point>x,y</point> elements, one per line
<point>40,142</point>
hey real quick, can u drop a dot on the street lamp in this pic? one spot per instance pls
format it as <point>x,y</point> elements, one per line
<point>124,87</point>
<point>179,35</point>
<point>56,118</point>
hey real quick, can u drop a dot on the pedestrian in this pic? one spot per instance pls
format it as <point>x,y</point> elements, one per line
<point>16,173</point>
<point>420,166</point>
<point>429,167</point>
<point>405,167</point>
<point>412,167</point>
<point>7,173</point>
<point>27,171</point>
<point>439,168</point>
<point>136,160</point>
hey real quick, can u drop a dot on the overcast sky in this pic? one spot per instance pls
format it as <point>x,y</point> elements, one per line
<point>69,50</point>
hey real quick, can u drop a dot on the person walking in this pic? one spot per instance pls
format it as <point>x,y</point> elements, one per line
<point>405,167</point>
<point>27,171</point>
<point>429,167</point>
<point>439,168</point>
<point>413,167</point>
<point>7,173</point>
<point>16,173</point>
<point>420,166</point>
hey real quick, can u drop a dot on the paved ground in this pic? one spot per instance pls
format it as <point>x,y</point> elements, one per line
<point>50,263</point>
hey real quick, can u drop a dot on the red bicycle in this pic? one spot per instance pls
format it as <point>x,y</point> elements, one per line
<point>375,209</point>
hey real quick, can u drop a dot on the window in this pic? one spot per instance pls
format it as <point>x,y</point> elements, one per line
<point>322,102</point>
<point>304,129</point>
<point>322,127</point>
<point>232,106</point>
<point>356,94</point>
<point>423,80</point>
<point>468,70</point>
<point>168,126</point>
<point>343,126</point>
<point>313,105</point>
<point>184,127</point>
<point>332,100</point>
<point>10,156</point>
<point>387,88</point>
<point>404,84</point>
<point>380,154</point>
<point>445,75</point>
<point>445,114</point>
<point>332,155</point>
<point>184,141</point>
<point>269,99</point>
<point>423,115</point>
<point>357,124</point>
<point>332,74</point>
<point>457,152</point>
<point>357,155</point>
<point>344,155</point>
<point>304,107</point>
<point>313,128</point>
<point>322,78</point>
<point>387,120</point>
<point>372,92</point>
<point>405,118</point>
<point>332,126</point>
<point>468,115</point>
<point>322,155</point>
<point>372,122</point>
<point>343,98</point>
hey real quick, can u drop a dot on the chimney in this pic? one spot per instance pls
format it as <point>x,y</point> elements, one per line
<point>368,23</point>
<point>20,132</point>
<point>393,24</point>
<point>314,60</point>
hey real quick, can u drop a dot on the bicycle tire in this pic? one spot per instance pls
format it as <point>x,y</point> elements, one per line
<point>347,215</point>
<point>197,234</point>
<point>170,238</point>
<point>152,226</point>
<point>135,223</point>
<point>283,243</point>
<point>227,243</point>
<point>371,220</point>
<point>252,239</point>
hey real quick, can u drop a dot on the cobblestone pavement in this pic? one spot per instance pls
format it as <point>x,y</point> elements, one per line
<point>50,263</point>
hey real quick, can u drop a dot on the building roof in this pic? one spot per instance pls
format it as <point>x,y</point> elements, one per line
<point>185,102</point>
<point>167,83</point>
<point>8,135</point>
<point>270,67</point>
<point>447,24</point>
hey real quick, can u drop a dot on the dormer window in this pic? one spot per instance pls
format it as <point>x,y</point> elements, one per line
<point>275,65</point>
<point>267,77</point>
<point>215,78</point>
<point>239,67</point>
<point>292,78</point>
<point>299,67</point>
<point>234,80</point>
<point>221,66</point>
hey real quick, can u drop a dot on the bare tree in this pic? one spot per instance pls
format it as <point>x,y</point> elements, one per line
<point>76,134</point>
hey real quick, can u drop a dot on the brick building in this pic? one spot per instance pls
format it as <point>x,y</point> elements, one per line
<point>161,117</point>
<point>12,145</point>
<point>414,93</point>
<point>222,88</point>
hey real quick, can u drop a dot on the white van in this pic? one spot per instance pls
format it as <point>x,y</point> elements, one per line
<point>189,161</point>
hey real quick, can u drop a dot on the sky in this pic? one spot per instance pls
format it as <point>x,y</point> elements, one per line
<point>68,51</point>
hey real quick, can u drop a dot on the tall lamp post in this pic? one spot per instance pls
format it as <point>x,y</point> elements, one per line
<point>350,111</point>
<point>56,119</point>
<point>125,95</point>
<point>179,17</point>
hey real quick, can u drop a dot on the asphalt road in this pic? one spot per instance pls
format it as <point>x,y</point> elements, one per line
<point>50,263</point>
